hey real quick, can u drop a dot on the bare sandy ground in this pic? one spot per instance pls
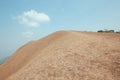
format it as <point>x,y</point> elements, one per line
<point>66,55</point>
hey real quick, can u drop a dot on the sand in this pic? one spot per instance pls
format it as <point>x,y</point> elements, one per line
<point>66,55</point>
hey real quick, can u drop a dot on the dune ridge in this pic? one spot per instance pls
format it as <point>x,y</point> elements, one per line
<point>66,55</point>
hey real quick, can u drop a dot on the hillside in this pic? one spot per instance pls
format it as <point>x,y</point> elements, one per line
<point>25,54</point>
<point>66,55</point>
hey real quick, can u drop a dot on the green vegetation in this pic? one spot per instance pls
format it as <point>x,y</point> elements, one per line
<point>117,31</point>
<point>108,31</point>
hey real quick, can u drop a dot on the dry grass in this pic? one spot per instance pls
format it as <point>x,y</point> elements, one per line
<point>67,55</point>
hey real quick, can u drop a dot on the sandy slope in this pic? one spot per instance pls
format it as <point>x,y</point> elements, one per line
<point>66,55</point>
<point>25,54</point>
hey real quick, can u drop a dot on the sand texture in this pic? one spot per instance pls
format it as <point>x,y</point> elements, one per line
<point>66,55</point>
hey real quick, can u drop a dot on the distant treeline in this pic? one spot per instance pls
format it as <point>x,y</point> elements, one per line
<point>108,31</point>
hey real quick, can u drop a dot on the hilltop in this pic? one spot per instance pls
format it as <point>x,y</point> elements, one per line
<point>66,55</point>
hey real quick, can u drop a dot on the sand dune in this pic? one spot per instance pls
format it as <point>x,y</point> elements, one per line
<point>66,55</point>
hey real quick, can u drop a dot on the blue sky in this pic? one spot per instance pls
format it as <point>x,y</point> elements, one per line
<point>25,20</point>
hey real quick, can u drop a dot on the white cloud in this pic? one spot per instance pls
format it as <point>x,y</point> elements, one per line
<point>28,34</point>
<point>33,18</point>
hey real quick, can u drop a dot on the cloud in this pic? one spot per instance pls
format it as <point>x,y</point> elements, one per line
<point>28,34</point>
<point>33,18</point>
